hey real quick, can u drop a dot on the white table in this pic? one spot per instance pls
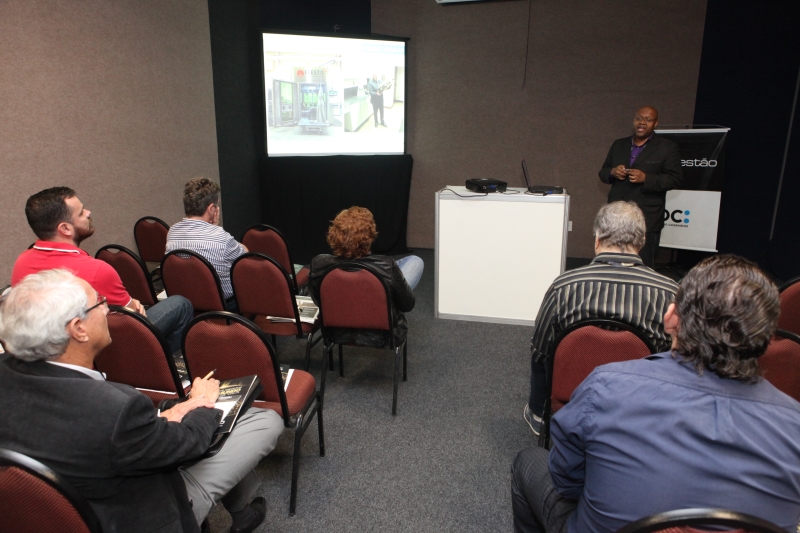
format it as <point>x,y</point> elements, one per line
<point>497,254</point>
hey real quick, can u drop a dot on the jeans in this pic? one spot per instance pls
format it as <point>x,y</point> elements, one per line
<point>171,316</point>
<point>537,507</point>
<point>412,267</point>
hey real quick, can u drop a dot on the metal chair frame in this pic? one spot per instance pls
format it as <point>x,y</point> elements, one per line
<point>176,379</point>
<point>148,219</point>
<point>701,517</point>
<point>148,277</point>
<point>203,260</point>
<point>55,480</point>
<point>606,323</point>
<point>299,422</point>
<point>310,342</point>
<point>327,334</point>
<point>267,227</point>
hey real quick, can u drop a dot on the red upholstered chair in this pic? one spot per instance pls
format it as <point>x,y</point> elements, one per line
<point>140,357</point>
<point>790,306</point>
<point>354,297</point>
<point>132,270</point>
<point>684,520</point>
<point>264,288</point>
<point>190,275</point>
<point>35,499</point>
<point>780,364</point>
<point>578,350</point>
<point>150,234</point>
<point>236,347</point>
<point>264,239</point>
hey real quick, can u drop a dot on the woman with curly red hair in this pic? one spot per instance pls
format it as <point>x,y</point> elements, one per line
<point>350,237</point>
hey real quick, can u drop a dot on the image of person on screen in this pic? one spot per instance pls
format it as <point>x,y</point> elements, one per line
<point>642,168</point>
<point>350,237</point>
<point>375,88</point>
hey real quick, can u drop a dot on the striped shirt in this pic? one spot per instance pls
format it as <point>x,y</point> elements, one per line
<point>613,285</point>
<point>215,244</point>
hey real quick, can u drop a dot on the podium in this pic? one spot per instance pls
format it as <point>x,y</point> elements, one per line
<point>497,254</point>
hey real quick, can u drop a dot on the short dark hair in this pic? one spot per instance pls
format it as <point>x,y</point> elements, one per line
<point>728,311</point>
<point>47,209</point>
<point>198,194</point>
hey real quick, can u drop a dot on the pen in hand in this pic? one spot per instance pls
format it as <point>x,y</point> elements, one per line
<point>210,374</point>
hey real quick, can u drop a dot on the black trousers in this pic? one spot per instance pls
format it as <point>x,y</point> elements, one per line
<point>648,252</point>
<point>537,506</point>
<point>377,106</point>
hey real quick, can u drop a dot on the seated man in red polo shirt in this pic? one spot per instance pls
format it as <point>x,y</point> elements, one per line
<point>60,221</point>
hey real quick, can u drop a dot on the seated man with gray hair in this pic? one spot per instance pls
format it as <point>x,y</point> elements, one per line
<point>615,285</point>
<point>141,470</point>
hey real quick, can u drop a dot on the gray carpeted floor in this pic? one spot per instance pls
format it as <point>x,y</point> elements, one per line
<point>441,464</point>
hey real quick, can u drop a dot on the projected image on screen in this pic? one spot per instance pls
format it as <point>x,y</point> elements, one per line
<point>334,95</point>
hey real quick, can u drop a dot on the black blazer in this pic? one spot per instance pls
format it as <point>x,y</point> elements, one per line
<point>660,161</point>
<point>107,441</point>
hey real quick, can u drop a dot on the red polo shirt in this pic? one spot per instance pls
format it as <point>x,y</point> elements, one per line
<point>46,255</point>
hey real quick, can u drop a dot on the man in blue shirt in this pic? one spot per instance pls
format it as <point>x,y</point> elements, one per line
<point>694,427</point>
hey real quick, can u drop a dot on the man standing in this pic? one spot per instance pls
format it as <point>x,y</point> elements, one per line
<point>376,98</point>
<point>61,223</point>
<point>200,232</point>
<point>140,470</point>
<point>615,285</point>
<point>692,427</point>
<point>641,169</point>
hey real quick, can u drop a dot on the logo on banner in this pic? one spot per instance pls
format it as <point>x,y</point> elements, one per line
<point>677,218</point>
<point>302,74</point>
<point>699,162</point>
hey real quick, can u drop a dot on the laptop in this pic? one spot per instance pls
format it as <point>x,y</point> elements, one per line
<point>539,189</point>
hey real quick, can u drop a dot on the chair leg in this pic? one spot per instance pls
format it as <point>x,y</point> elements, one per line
<point>327,355</point>
<point>405,360</point>
<point>298,436</point>
<point>275,343</point>
<point>330,358</point>
<point>396,379</point>
<point>341,362</point>
<point>308,351</point>
<point>320,427</point>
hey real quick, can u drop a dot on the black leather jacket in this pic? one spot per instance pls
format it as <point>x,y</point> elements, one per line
<point>402,297</point>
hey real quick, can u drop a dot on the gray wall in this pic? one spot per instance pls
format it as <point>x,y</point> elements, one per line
<point>590,65</point>
<point>114,99</point>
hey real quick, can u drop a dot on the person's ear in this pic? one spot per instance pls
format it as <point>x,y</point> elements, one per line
<point>672,321</point>
<point>66,229</point>
<point>77,330</point>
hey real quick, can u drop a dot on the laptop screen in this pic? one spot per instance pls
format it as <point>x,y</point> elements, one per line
<point>525,173</point>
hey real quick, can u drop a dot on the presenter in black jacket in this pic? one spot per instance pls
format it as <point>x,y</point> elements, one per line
<point>641,169</point>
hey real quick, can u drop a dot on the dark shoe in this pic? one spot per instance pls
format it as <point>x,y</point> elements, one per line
<point>535,422</point>
<point>259,507</point>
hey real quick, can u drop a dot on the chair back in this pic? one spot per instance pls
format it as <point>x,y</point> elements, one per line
<point>35,499</point>
<point>789,319</point>
<point>267,240</point>
<point>588,344</point>
<point>131,270</point>
<point>139,356</point>
<point>190,275</point>
<point>263,287</point>
<point>150,234</point>
<point>780,364</point>
<point>354,296</point>
<point>684,520</point>
<point>235,347</point>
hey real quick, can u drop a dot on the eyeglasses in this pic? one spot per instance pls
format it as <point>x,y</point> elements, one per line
<point>649,120</point>
<point>101,300</point>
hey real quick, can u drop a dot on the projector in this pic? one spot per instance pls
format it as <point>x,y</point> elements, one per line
<point>486,185</point>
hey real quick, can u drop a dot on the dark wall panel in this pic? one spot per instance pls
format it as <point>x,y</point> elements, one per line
<point>748,75</point>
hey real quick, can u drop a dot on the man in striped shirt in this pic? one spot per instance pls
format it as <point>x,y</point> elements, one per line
<point>615,285</point>
<point>200,232</point>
